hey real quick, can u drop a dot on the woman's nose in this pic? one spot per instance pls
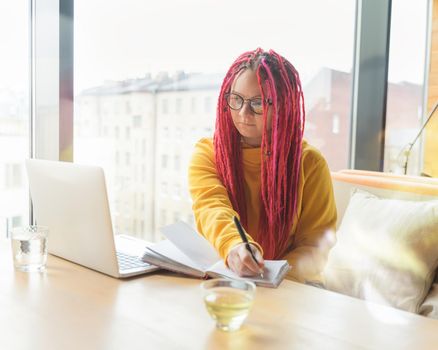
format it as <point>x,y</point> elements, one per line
<point>246,110</point>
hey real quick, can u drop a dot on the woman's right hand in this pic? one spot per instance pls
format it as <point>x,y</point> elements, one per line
<point>241,262</point>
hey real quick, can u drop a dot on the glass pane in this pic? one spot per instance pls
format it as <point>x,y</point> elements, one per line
<point>405,85</point>
<point>14,113</point>
<point>147,77</point>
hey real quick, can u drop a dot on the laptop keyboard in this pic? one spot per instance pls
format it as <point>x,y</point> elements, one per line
<point>127,262</point>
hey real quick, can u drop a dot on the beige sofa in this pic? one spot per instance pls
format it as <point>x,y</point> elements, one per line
<point>387,240</point>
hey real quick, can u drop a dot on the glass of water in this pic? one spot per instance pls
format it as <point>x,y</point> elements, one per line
<point>228,301</point>
<point>29,247</point>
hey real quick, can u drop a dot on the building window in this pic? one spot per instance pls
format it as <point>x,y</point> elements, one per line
<point>127,132</point>
<point>143,147</point>
<point>17,221</point>
<point>134,226</point>
<point>166,133</point>
<point>116,132</point>
<point>116,108</point>
<point>193,105</point>
<point>141,201</point>
<point>163,218</point>
<point>178,106</point>
<point>178,134</point>
<point>136,121</point>
<point>13,175</point>
<point>177,191</point>
<point>176,163</point>
<point>128,158</point>
<point>117,158</point>
<point>164,188</point>
<point>164,160</point>
<point>143,173</point>
<point>164,106</point>
<point>208,131</point>
<point>207,104</point>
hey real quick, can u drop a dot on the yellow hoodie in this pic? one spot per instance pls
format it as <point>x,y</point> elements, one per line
<point>312,233</point>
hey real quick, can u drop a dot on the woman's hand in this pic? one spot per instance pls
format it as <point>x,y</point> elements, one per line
<point>241,262</point>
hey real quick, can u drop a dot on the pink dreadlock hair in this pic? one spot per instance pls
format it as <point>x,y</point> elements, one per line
<point>281,152</point>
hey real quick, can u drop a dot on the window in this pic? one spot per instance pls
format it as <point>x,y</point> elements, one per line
<point>176,163</point>
<point>164,188</point>
<point>142,201</point>
<point>208,131</point>
<point>17,221</point>
<point>405,96</point>
<point>134,226</point>
<point>13,175</point>
<point>164,106</point>
<point>193,105</point>
<point>163,217</point>
<point>143,173</point>
<point>117,157</point>
<point>166,132</point>
<point>14,113</point>
<point>180,108</point>
<point>136,121</point>
<point>177,191</point>
<point>143,147</point>
<point>207,104</point>
<point>164,159</point>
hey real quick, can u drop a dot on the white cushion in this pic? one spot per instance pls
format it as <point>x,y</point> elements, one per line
<point>430,306</point>
<point>386,251</point>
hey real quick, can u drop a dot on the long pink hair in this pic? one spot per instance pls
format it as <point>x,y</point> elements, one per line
<point>280,151</point>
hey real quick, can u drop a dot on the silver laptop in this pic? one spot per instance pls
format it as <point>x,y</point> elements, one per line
<point>72,201</point>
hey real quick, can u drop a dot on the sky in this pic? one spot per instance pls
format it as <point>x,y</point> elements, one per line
<point>120,39</point>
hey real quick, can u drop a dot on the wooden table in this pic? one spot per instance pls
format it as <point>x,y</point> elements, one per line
<point>71,307</point>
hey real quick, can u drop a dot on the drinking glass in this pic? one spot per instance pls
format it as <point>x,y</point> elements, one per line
<point>29,247</point>
<point>228,301</point>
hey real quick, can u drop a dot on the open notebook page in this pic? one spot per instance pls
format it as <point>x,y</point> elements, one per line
<point>273,272</point>
<point>167,250</point>
<point>192,244</point>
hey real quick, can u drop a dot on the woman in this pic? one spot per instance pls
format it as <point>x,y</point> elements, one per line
<point>259,168</point>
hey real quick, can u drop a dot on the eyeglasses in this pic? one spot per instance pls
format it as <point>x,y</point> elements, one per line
<point>236,102</point>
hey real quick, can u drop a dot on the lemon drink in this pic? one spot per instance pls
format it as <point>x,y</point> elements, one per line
<point>228,306</point>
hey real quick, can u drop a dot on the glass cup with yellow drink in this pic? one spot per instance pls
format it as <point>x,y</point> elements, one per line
<point>228,301</point>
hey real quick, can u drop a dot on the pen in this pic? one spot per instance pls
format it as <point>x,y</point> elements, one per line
<point>245,240</point>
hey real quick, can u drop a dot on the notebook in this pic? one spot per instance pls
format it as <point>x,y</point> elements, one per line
<point>186,251</point>
<point>72,200</point>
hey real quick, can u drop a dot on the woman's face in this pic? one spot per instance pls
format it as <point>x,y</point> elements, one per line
<point>248,123</point>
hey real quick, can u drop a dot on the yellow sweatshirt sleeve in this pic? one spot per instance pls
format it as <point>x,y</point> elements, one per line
<point>212,207</point>
<point>315,229</point>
